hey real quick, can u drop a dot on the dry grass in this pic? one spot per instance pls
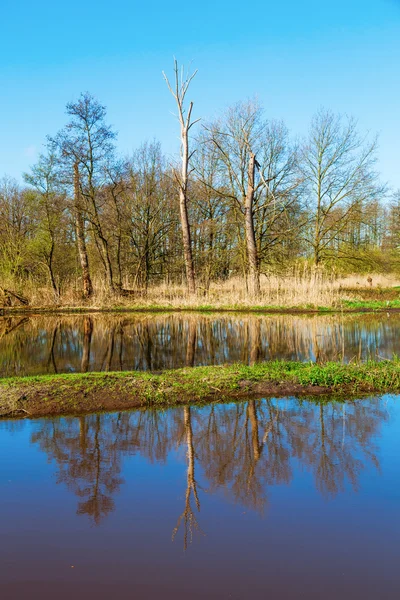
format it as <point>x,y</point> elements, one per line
<point>306,288</point>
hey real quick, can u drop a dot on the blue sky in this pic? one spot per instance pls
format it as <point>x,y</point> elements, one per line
<point>296,56</point>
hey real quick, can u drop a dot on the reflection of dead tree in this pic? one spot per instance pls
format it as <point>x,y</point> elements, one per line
<point>188,517</point>
<point>52,358</point>
<point>11,327</point>
<point>87,340</point>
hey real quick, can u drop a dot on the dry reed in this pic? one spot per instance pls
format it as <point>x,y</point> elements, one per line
<point>304,288</point>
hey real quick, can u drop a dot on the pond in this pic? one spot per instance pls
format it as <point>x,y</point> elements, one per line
<point>259,499</point>
<point>31,345</point>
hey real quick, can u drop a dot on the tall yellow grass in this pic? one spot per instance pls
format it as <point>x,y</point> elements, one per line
<point>304,288</point>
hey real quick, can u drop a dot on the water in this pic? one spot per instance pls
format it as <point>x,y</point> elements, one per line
<point>273,498</point>
<point>38,344</point>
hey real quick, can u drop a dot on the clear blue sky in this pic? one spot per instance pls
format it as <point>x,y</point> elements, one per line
<point>294,55</point>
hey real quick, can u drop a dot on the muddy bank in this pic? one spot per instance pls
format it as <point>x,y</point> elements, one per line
<point>47,401</point>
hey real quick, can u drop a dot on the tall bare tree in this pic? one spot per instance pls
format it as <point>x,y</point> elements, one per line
<point>338,170</point>
<point>87,143</point>
<point>179,90</point>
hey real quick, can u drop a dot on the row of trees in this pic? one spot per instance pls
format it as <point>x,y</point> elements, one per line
<point>245,198</point>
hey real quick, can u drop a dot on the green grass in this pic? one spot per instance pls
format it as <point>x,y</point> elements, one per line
<point>371,304</point>
<point>356,305</point>
<point>59,394</point>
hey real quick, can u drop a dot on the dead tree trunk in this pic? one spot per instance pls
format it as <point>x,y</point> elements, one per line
<point>9,295</point>
<point>80,236</point>
<point>186,236</point>
<point>249,228</point>
<point>179,91</point>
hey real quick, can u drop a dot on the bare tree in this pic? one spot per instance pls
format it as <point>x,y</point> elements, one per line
<point>179,90</point>
<point>258,168</point>
<point>86,144</point>
<point>147,212</point>
<point>49,206</point>
<point>338,170</point>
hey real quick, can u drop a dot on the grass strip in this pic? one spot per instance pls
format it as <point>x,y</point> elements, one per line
<point>92,392</point>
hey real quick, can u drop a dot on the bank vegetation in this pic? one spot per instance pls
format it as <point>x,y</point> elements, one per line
<point>92,392</point>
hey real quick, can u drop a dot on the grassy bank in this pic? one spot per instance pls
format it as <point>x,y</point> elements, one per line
<point>91,392</point>
<point>346,306</point>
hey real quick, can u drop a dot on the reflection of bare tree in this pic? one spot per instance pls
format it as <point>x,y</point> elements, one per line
<point>144,342</point>
<point>191,343</point>
<point>88,460</point>
<point>102,474</point>
<point>110,348</point>
<point>188,516</point>
<point>87,340</point>
<point>255,341</point>
<point>52,359</point>
<point>242,449</point>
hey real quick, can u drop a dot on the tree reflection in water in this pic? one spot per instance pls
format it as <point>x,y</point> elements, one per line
<point>61,344</point>
<point>242,450</point>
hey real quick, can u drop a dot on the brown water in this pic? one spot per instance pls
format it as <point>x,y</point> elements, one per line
<point>281,499</point>
<point>33,345</point>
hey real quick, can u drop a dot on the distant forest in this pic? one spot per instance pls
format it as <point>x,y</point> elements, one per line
<point>245,197</point>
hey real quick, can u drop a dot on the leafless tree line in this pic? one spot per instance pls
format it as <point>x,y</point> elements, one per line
<point>245,198</point>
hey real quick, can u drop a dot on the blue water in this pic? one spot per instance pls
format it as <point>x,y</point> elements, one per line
<point>269,499</point>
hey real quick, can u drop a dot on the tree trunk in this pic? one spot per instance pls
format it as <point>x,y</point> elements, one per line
<point>51,274</point>
<point>249,227</point>
<point>80,236</point>
<point>186,237</point>
<point>107,264</point>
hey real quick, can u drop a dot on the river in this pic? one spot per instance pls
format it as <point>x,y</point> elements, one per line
<point>31,345</point>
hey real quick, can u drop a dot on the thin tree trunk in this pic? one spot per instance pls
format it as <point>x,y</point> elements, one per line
<point>80,236</point>
<point>186,237</point>
<point>249,227</point>
<point>51,274</point>
<point>107,264</point>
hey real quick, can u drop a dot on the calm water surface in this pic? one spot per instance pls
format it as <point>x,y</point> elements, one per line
<point>33,345</point>
<point>280,499</point>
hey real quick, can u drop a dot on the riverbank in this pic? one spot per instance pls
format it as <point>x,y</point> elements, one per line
<point>92,392</point>
<point>348,307</point>
<point>314,294</point>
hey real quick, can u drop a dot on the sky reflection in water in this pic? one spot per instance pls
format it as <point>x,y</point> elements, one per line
<point>259,497</point>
